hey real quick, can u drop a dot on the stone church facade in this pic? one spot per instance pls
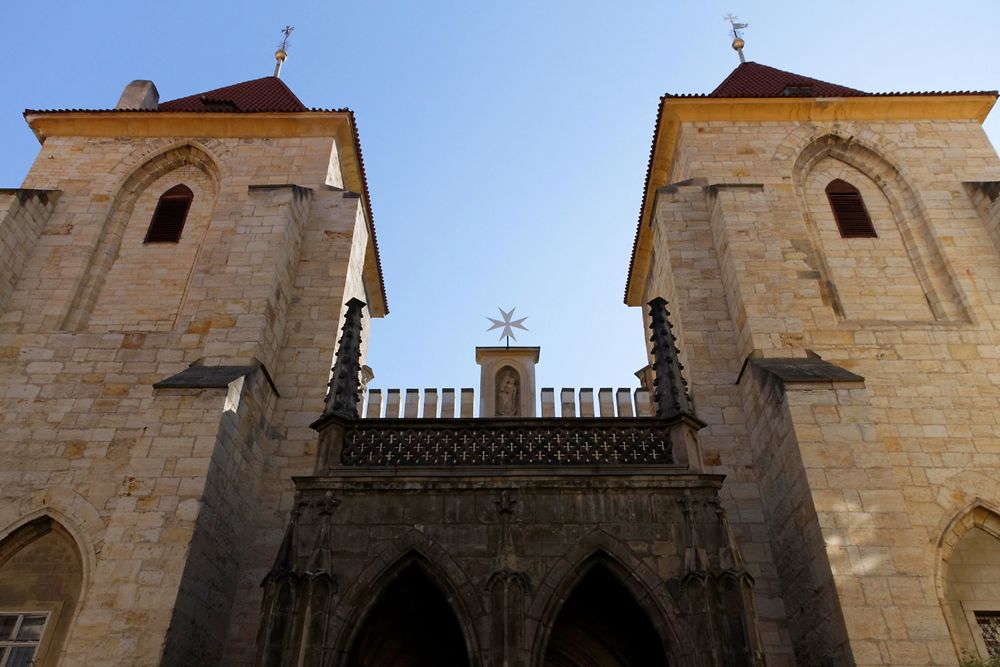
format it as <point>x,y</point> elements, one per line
<point>809,474</point>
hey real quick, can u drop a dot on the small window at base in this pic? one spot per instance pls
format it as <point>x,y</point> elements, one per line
<point>20,635</point>
<point>989,627</point>
<point>849,210</point>
<point>169,216</point>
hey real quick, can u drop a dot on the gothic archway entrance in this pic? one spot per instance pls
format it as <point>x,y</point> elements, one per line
<point>602,625</point>
<point>411,625</point>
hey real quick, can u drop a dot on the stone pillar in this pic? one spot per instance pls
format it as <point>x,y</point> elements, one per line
<point>507,381</point>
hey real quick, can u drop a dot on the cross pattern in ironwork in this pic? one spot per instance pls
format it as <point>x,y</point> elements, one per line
<point>564,443</point>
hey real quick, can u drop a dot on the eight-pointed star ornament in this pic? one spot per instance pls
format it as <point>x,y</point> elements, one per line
<point>508,323</point>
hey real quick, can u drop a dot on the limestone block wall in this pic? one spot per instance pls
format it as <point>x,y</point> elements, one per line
<point>226,516</point>
<point>250,294</point>
<point>887,470</point>
<point>164,489</point>
<point>794,463</point>
<point>121,468</point>
<point>986,198</point>
<point>24,213</point>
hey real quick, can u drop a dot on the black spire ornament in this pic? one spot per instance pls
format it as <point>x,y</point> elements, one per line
<point>343,397</point>
<point>671,397</point>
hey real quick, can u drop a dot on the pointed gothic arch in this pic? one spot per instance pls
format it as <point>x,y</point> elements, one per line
<point>112,228</point>
<point>967,588</point>
<point>633,578</point>
<point>42,581</point>
<point>601,624</point>
<point>907,213</point>
<point>412,615</point>
<point>278,645</point>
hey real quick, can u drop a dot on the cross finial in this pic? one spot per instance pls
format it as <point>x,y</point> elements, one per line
<point>287,32</point>
<point>508,324</point>
<point>282,53</point>
<point>737,30</point>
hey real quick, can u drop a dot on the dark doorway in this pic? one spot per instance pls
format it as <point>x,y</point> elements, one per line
<point>601,625</point>
<point>412,625</point>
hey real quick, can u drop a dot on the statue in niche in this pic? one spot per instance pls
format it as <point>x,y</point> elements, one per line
<point>508,393</point>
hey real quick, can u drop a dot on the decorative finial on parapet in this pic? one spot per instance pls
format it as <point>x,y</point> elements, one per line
<point>343,397</point>
<point>737,29</point>
<point>282,53</point>
<point>671,396</point>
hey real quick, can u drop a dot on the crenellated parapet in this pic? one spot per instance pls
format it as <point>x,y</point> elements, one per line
<point>449,403</point>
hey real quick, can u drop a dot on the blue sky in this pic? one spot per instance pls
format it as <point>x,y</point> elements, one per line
<point>505,142</point>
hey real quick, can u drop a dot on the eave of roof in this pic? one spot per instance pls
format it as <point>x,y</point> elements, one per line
<point>674,109</point>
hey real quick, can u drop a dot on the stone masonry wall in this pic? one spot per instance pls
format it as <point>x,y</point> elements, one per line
<point>24,215</point>
<point>890,468</point>
<point>226,517</point>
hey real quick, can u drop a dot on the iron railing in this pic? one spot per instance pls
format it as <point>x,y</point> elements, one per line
<point>507,442</point>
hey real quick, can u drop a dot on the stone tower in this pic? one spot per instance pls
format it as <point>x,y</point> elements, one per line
<point>832,257</point>
<point>172,277</point>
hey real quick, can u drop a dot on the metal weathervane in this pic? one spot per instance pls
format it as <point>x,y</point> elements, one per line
<point>508,324</point>
<point>282,53</point>
<point>737,30</point>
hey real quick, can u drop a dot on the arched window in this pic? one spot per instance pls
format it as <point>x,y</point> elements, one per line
<point>849,210</point>
<point>970,592</point>
<point>41,575</point>
<point>171,212</point>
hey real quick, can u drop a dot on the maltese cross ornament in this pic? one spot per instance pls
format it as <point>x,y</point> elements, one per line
<point>508,324</point>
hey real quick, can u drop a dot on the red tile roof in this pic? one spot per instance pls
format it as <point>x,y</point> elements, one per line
<point>755,80</point>
<point>267,93</point>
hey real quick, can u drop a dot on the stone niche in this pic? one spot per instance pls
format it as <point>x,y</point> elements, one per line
<point>507,381</point>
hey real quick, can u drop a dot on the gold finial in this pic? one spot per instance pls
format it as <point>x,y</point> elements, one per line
<point>282,53</point>
<point>737,29</point>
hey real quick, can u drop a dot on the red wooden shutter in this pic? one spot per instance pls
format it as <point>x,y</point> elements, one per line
<point>849,210</point>
<point>169,216</point>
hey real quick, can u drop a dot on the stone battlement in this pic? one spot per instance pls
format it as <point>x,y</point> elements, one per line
<point>433,403</point>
